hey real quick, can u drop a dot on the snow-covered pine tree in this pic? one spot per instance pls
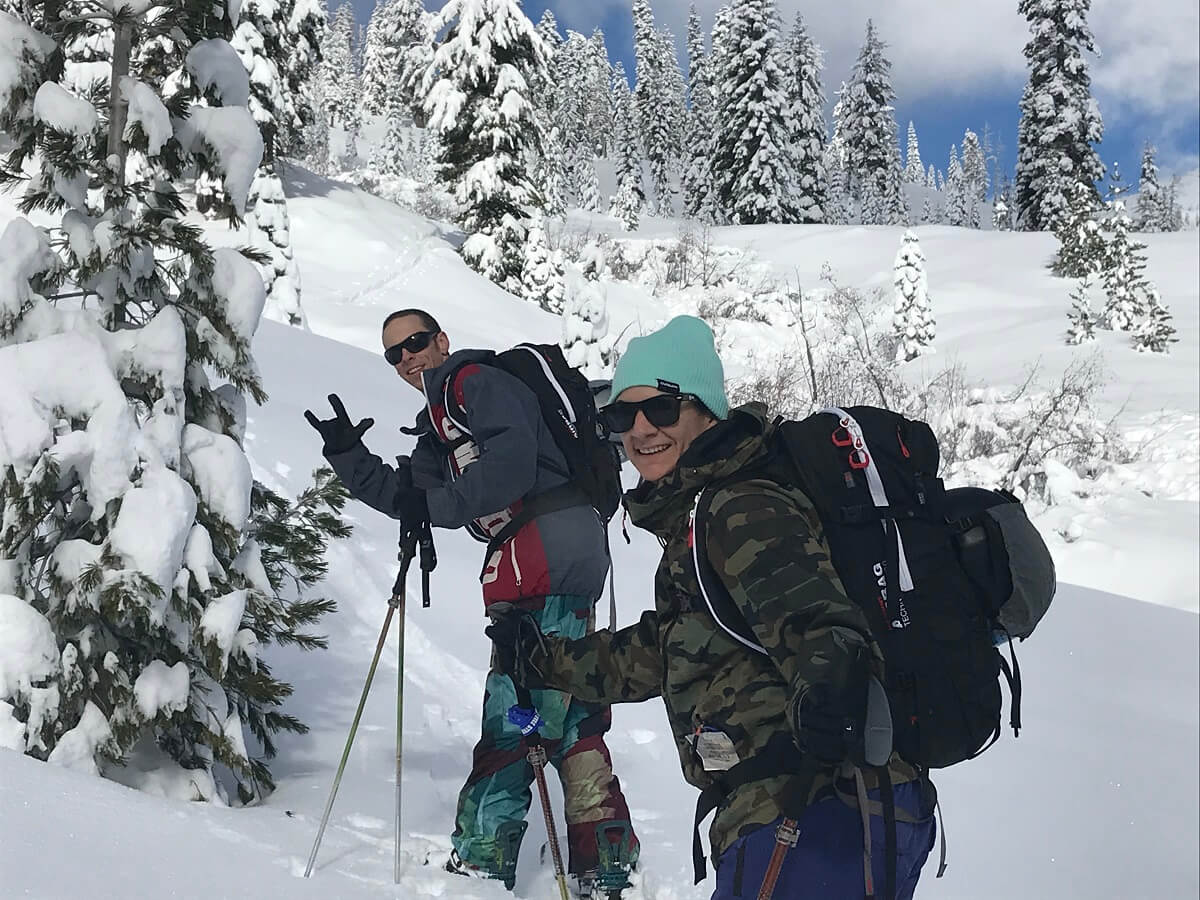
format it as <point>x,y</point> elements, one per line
<point>659,112</point>
<point>597,88</point>
<point>869,132</point>
<point>956,197</point>
<point>927,210</point>
<point>1082,317</point>
<point>1148,215</point>
<point>806,98</point>
<point>261,43</point>
<point>131,526</point>
<point>931,178</point>
<point>589,195</point>
<point>1060,122</point>
<point>585,340</point>
<point>338,71</point>
<point>1123,272</point>
<point>1082,251</point>
<point>974,178</point>
<point>302,79</point>
<point>912,320</point>
<point>914,171</point>
<point>477,100</point>
<point>696,183</point>
<point>1154,333</point>
<point>751,159</point>
<point>1002,206</point>
<point>840,209</point>
<point>375,73</point>
<point>542,277</point>
<point>550,173</point>
<point>627,203</point>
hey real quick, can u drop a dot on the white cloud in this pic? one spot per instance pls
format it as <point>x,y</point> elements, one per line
<point>1150,53</point>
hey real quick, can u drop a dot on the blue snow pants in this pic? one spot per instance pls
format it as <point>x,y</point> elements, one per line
<point>827,861</point>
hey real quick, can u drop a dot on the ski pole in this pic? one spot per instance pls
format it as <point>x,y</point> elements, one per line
<point>407,551</point>
<point>526,717</point>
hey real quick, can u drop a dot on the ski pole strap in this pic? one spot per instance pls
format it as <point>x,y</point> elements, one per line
<point>428,560</point>
<point>525,716</point>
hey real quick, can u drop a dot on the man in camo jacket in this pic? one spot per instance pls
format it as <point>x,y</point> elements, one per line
<point>757,733</point>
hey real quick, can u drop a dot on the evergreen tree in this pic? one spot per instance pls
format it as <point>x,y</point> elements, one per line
<point>1060,122</point>
<point>261,43</point>
<point>658,99</point>
<point>869,132</point>
<point>476,96</point>
<point>1154,333</point>
<point>974,178</point>
<point>914,171</point>
<point>597,89</point>
<point>751,163</point>
<point>1002,206</point>
<point>550,174</point>
<point>1149,215</point>
<point>1082,317</point>
<point>302,79</point>
<point>338,70</point>
<point>840,209</point>
<point>627,203</point>
<point>136,532</point>
<point>927,210</point>
<point>585,340</point>
<point>542,278</point>
<point>931,178</point>
<point>1123,272</point>
<point>1081,250</point>
<point>912,320</point>
<point>957,196</point>
<point>589,197</point>
<point>375,65</point>
<point>696,183</point>
<point>806,99</point>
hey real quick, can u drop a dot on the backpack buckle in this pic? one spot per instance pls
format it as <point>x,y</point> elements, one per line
<point>839,441</point>
<point>859,459</point>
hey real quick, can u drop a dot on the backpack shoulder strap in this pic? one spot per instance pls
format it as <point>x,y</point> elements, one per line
<point>720,604</point>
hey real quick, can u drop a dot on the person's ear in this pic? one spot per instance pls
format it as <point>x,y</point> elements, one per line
<point>443,342</point>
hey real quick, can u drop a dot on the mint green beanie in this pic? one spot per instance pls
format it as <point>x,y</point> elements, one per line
<point>682,353</point>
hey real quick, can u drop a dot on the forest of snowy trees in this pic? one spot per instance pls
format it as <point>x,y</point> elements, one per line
<point>121,116</point>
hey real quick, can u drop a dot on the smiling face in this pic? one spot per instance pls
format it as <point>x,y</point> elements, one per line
<point>411,365</point>
<point>654,450</point>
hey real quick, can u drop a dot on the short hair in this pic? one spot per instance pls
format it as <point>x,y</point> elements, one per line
<point>428,321</point>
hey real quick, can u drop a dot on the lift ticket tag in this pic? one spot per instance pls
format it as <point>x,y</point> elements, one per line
<point>716,751</point>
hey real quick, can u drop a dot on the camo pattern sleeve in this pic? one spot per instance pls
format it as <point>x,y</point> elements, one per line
<point>624,666</point>
<point>766,544</point>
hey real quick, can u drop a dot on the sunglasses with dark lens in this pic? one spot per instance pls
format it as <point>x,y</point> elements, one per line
<point>661,411</point>
<point>414,343</point>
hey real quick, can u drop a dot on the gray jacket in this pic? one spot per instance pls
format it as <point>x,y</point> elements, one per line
<point>478,480</point>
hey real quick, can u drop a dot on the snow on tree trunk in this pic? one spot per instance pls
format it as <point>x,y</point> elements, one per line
<point>912,321</point>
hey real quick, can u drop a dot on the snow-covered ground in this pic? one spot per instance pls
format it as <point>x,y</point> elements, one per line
<point>1097,798</point>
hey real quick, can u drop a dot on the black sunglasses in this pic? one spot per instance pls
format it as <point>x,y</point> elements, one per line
<point>414,343</point>
<point>660,411</point>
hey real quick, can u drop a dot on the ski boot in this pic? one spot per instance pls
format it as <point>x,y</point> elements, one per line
<point>508,845</point>
<point>617,860</point>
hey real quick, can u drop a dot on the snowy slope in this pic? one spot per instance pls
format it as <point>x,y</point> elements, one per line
<point>1097,798</point>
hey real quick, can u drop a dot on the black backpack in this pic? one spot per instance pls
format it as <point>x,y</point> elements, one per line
<point>943,576</point>
<point>569,410</point>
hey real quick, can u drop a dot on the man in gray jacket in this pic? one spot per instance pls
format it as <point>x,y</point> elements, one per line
<point>478,474</point>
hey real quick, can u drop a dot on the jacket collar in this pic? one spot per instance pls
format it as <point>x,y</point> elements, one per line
<point>721,451</point>
<point>435,382</point>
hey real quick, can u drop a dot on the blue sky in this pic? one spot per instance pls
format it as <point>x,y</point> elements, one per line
<point>957,64</point>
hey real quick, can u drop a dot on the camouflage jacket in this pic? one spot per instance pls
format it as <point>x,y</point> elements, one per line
<point>766,543</point>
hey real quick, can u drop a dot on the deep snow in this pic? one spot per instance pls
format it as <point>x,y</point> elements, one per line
<point>1097,798</point>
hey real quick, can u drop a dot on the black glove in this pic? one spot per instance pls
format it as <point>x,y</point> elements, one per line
<point>338,433</point>
<point>829,718</point>
<point>412,510</point>
<point>521,651</point>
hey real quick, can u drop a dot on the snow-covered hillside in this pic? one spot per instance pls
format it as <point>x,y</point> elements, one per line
<point>1097,798</point>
